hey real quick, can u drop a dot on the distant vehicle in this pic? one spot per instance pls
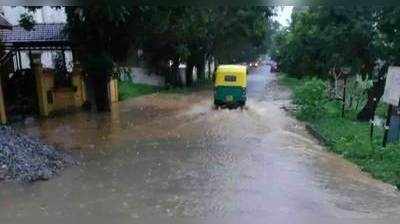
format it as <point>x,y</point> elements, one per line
<point>230,86</point>
<point>274,66</point>
<point>254,64</point>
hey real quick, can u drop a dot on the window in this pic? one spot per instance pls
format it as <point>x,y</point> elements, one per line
<point>230,78</point>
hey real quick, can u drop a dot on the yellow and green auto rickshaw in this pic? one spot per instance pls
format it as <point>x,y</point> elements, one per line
<point>230,86</point>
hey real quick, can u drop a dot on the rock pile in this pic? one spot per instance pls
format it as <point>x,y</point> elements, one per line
<point>26,160</point>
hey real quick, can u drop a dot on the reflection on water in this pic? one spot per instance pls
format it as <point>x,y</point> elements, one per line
<point>165,157</point>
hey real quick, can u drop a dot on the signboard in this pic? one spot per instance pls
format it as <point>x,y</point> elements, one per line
<point>392,88</point>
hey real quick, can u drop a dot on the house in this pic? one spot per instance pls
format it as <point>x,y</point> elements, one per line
<point>44,15</point>
<point>38,74</point>
<point>4,24</point>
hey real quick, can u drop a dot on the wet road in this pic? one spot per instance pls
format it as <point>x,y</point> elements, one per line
<point>171,158</point>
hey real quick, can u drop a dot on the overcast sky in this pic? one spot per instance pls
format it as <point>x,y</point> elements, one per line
<point>283,15</point>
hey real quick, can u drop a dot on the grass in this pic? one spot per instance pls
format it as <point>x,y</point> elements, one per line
<point>197,86</point>
<point>127,89</point>
<point>290,81</point>
<point>382,109</point>
<point>351,139</point>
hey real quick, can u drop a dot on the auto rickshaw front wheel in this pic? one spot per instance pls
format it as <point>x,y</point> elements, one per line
<point>242,104</point>
<point>217,104</point>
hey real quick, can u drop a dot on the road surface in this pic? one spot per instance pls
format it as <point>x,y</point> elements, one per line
<point>169,158</point>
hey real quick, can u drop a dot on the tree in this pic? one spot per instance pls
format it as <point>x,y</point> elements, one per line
<point>324,38</point>
<point>103,30</point>
<point>191,34</point>
<point>388,42</point>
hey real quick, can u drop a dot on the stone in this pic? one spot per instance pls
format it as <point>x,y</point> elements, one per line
<point>26,159</point>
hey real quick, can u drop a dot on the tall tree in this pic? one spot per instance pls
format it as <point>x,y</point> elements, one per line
<point>324,38</point>
<point>388,43</point>
<point>192,34</point>
<point>103,32</point>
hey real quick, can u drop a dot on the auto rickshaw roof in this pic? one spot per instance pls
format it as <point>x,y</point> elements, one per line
<point>232,69</point>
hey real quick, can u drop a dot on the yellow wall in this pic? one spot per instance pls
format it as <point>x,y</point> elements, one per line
<point>63,98</point>
<point>67,98</point>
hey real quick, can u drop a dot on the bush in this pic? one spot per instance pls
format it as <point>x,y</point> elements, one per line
<point>311,98</point>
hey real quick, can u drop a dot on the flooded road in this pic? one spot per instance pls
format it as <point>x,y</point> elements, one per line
<point>169,158</point>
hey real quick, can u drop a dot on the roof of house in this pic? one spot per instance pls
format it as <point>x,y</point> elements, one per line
<point>42,32</point>
<point>4,24</point>
<point>42,36</point>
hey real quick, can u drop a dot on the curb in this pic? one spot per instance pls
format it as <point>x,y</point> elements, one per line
<point>317,135</point>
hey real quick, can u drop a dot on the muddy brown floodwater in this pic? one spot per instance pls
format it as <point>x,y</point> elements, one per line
<point>169,158</point>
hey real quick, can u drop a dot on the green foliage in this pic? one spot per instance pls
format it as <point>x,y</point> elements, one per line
<point>382,109</point>
<point>26,21</point>
<point>324,41</point>
<point>310,99</point>
<point>187,34</point>
<point>384,164</point>
<point>61,75</point>
<point>167,35</point>
<point>350,138</point>
<point>388,24</point>
<point>127,89</point>
<point>99,64</point>
<point>357,92</point>
<point>290,80</point>
<point>323,38</point>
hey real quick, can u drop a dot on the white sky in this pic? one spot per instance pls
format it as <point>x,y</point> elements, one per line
<point>284,15</point>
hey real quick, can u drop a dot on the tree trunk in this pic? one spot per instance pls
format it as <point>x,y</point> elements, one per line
<point>189,73</point>
<point>209,68</point>
<point>200,65</point>
<point>176,74</point>
<point>375,93</point>
<point>99,84</point>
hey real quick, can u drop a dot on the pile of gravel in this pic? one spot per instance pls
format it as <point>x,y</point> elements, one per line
<point>25,159</point>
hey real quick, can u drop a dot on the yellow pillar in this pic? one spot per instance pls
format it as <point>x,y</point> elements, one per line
<point>3,118</point>
<point>113,90</point>
<point>41,89</point>
<point>116,99</point>
<point>78,83</point>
